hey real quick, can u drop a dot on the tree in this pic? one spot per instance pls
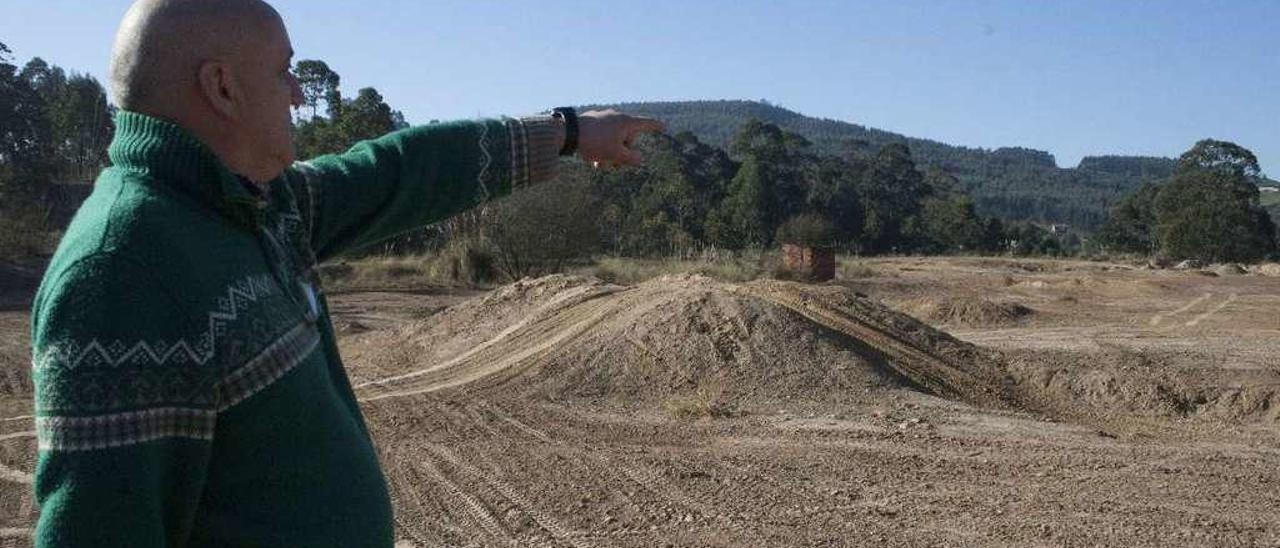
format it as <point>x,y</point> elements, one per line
<point>365,117</point>
<point>742,219</point>
<point>891,190</point>
<point>994,237</point>
<point>952,224</point>
<point>82,127</point>
<point>1210,208</point>
<point>668,199</point>
<point>347,121</point>
<point>1132,224</point>
<point>319,83</point>
<point>25,151</point>
<point>808,230</point>
<point>772,184</point>
<point>1223,157</point>
<point>834,196</point>
<point>44,79</point>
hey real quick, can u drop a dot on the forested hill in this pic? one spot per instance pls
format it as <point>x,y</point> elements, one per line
<point>1013,182</point>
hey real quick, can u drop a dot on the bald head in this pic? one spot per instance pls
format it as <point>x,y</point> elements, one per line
<point>161,44</point>
<point>218,68</point>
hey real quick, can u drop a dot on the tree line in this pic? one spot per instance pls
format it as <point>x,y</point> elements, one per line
<point>761,185</point>
<point>692,195</point>
<point>55,126</point>
<point>1209,209</point>
<point>768,185</point>
<point>1012,183</point>
<point>345,120</point>
<point>771,185</point>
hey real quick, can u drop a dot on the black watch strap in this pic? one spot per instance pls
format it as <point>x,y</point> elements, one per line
<point>570,118</point>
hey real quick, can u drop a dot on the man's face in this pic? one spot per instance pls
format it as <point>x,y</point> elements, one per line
<point>270,90</point>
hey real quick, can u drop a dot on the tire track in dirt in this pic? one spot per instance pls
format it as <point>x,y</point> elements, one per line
<point>1160,317</point>
<point>16,463</point>
<point>924,370</point>
<point>512,352</point>
<point>595,466</point>
<point>558,303</point>
<point>549,524</point>
<point>529,431</point>
<point>16,537</point>
<point>16,382</point>
<point>1209,313</point>
<point>477,516</point>
<point>428,512</point>
<point>630,471</point>
<point>15,476</point>
<point>647,478</point>
<point>474,414</point>
<point>17,435</point>
<point>421,514</point>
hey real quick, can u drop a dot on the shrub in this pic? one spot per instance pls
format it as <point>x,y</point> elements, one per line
<point>808,230</point>
<point>22,235</point>
<point>539,230</point>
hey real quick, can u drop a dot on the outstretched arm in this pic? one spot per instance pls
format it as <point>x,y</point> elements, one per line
<point>414,177</point>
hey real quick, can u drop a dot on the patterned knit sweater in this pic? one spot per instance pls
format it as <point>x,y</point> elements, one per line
<point>189,390</point>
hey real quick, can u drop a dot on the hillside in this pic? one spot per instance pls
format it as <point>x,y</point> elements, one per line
<point>1012,182</point>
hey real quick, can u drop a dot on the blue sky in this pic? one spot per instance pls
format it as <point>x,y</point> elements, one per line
<point>1074,77</point>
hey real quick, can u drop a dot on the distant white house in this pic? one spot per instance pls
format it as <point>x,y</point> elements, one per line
<point>1269,188</point>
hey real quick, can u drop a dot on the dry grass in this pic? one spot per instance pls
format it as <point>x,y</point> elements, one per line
<point>628,271</point>
<point>458,269</point>
<point>378,272</point>
<point>706,403</point>
<point>850,269</point>
<point>466,265</point>
<point>458,265</point>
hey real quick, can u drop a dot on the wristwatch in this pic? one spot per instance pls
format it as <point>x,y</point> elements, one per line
<point>570,118</point>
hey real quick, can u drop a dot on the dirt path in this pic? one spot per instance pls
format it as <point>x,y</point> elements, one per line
<point>539,415</point>
<point>517,347</point>
<point>559,476</point>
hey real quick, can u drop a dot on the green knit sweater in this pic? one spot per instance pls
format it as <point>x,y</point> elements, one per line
<point>189,390</point>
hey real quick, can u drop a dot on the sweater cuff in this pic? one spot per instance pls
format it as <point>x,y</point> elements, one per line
<point>535,150</point>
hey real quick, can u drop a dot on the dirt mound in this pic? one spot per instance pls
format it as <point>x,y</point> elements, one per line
<point>570,337</point>
<point>971,311</point>
<point>1229,269</point>
<point>1269,269</point>
<point>1122,382</point>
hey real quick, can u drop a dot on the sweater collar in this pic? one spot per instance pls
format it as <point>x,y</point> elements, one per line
<point>174,158</point>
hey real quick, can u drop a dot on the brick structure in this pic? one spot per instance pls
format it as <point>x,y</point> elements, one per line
<point>817,264</point>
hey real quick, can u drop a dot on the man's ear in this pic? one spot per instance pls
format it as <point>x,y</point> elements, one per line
<point>219,87</point>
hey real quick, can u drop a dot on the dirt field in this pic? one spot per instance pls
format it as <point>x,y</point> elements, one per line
<point>1078,404</point>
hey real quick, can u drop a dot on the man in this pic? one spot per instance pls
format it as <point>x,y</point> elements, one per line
<point>189,390</point>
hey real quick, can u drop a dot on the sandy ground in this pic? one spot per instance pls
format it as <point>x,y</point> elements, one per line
<point>1126,408</point>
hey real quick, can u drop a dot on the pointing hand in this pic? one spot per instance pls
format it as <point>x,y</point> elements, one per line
<point>605,137</point>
